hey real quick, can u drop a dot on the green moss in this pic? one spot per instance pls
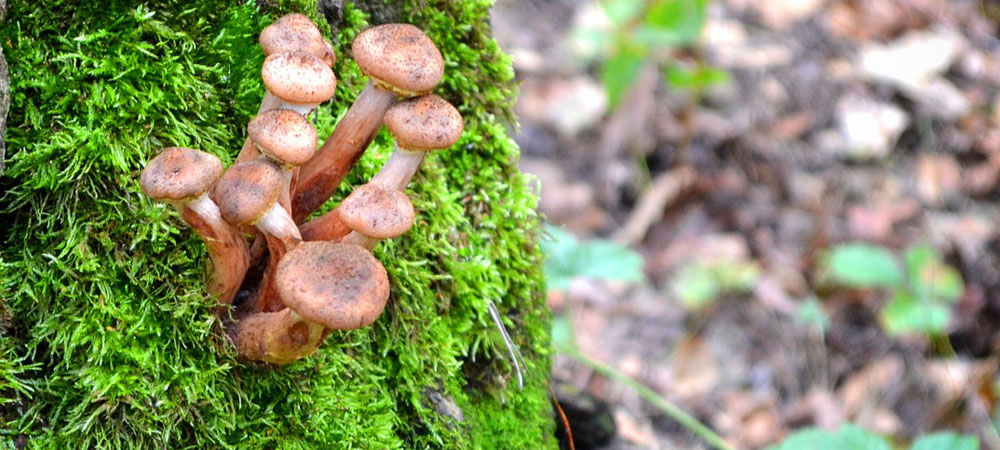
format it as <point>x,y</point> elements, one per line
<point>107,338</point>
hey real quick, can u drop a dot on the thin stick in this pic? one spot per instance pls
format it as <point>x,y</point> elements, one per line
<point>649,395</point>
<point>512,350</point>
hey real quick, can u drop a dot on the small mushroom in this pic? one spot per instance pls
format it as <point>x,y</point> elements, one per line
<point>400,61</point>
<point>340,286</point>
<point>248,197</point>
<point>279,337</point>
<point>375,212</point>
<point>296,33</point>
<point>288,139</point>
<point>299,80</point>
<point>290,33</point>
<point>418,125</point>
<point>183,178</point>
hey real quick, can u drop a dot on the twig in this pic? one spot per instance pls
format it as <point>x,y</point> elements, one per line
<point>661,192</point>
<point>647,394</point>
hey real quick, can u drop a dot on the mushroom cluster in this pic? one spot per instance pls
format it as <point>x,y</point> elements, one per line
<point>284,282</point>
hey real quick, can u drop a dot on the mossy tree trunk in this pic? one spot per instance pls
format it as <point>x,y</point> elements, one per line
<point>107,337</point>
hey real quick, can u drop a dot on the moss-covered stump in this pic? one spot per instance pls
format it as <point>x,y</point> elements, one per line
<point>107,336</point>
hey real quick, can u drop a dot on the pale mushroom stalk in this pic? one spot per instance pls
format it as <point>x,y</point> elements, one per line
<point>247,195</point>
<point>225,245</point>
<point>182,177</point>
<point>400,61</point>
<point>417,126</point>
<point>397,172</point>
<point>279,337</point>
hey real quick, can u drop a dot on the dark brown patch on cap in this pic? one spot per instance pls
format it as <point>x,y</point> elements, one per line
<point>284,135</point>
<point>340,286</point>
<point>377,212</point>
<point>401,55</point>
<point>298,77</point>
<point>424,123</point>
<point>180,173</point>
<point>247,190</point>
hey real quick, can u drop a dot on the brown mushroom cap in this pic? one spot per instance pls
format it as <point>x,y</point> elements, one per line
<point>376,211</point>
<point>298,77</point>
<point>284,135</point>
<point>295,32</point>
<point>247,190</point>
<point>400,55</point>
<point>341,286</point>
<point>424,123</point>
<point>178,173</point>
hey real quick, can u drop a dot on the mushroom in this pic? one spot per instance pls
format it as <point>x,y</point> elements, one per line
<point>182,177</point>
<point>375,212</point>
<point>400,60</point>
<point>417,126</point>
<point>300,81</point>
<point>292,32</point>
<point>277,337</point>
<point>248,197</point>
<point>288,139</point>
<point>296,33</point>
<point>340,286</point>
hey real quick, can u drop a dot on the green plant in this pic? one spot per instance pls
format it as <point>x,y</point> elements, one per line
<point>923,287</point>
<point>647,31</point>
<point>566,258</point>
<point>698,284</point>
<point>852,437</point>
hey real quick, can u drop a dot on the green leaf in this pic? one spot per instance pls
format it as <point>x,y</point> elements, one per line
<point>946,441</point>
<point>698,77</point>
<point>848,437</point>
<point>863,265</point>
<point>699,284</point>
<point>567,258</point>
<point>930,278</point>
<point>620,72</point>
<point>672,22</point>
<point>906,314</point>
<point>695,286</point>
<point>621,11</point>
<point>811,313</point>
<point>562,333</point>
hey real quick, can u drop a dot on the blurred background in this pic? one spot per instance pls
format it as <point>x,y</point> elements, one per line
<point>778,216</point>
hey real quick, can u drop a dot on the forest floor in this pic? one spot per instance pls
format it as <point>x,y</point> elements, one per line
<point>871,121</point>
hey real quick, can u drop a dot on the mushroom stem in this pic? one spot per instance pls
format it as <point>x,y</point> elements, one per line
<point>277,337</point>
<point>400,168</point>
<point>356,238</point>
<point>226,247</point>
<point>320,177</point>
<point>278,223</point>
<point>328,227</point>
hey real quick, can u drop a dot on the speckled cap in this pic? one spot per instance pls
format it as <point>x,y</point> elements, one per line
<point>179,173</point>
<point>247,190</point>
<point>284,135</point>
<point>340,286</point>
<point>424,123</point>
<point>295,32</point>
<point>399,56</point>
<point>377,212</point>
<point>298,77</point>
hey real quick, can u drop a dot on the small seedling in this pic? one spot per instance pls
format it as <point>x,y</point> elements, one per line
<point>923,287</point>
